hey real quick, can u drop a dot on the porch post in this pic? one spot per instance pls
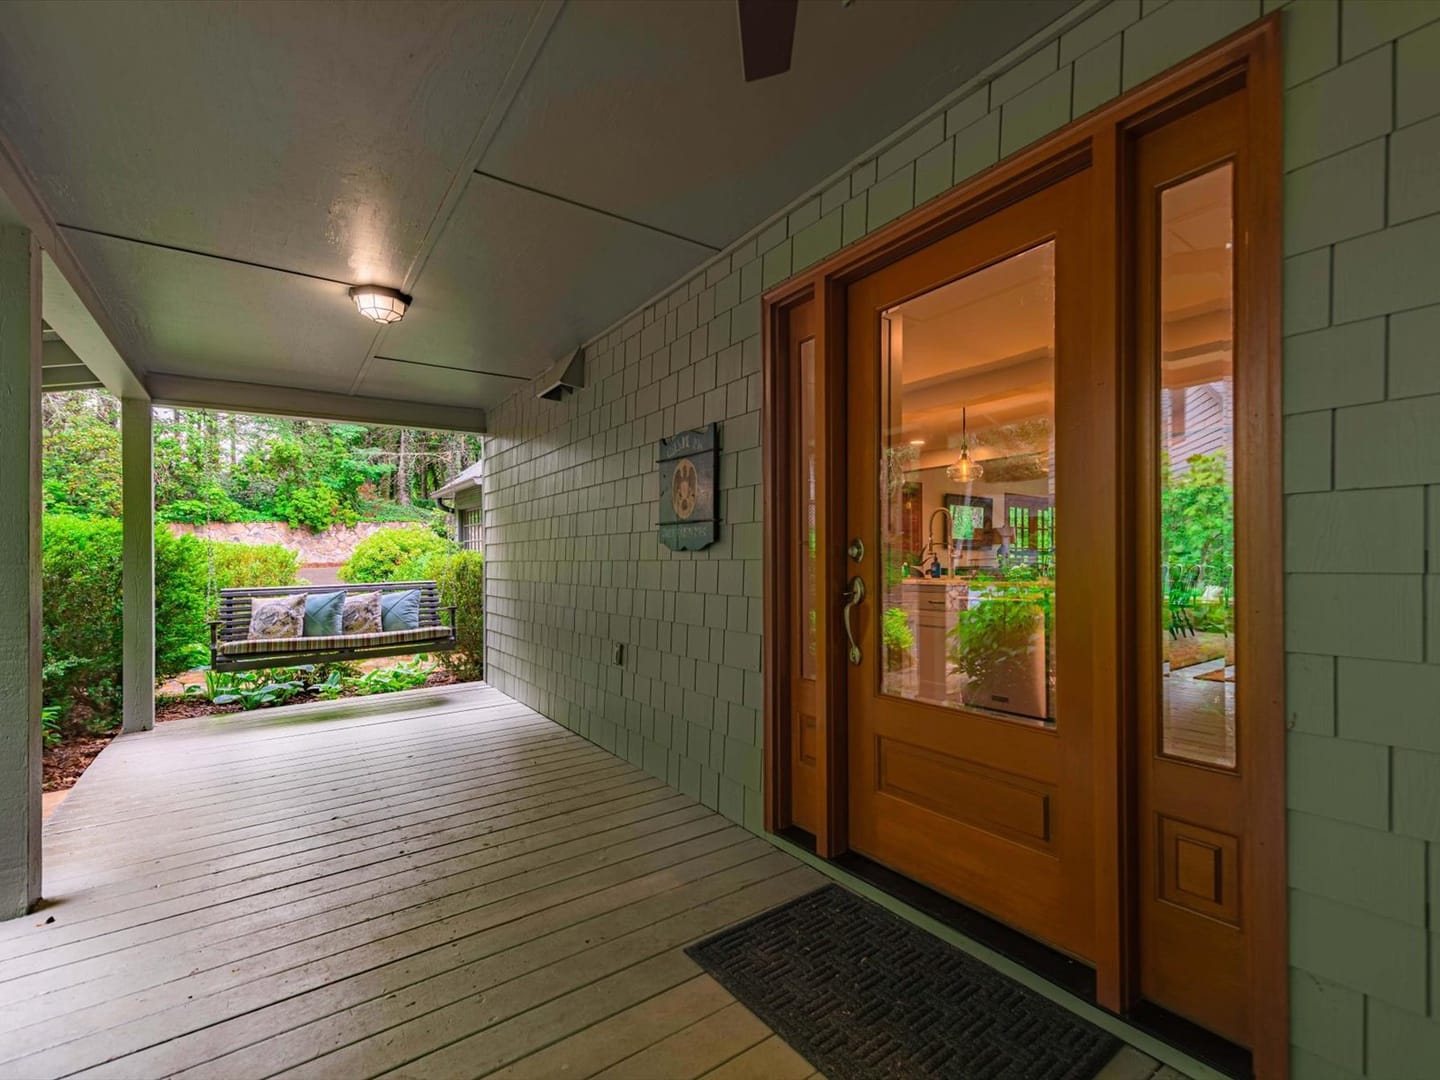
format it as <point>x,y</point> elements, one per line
<point>20,741</point>
<point>138,511</point>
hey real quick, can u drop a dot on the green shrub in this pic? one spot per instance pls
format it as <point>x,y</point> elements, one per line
<point>50,727</point>
<point>386,680</point>
<point>461,580</point>
<point>899,639</point>
<point>394,555</point>
<point>213,504</point>
<point>316,508</point>
<point>243,566</point>
<point>82,629</point>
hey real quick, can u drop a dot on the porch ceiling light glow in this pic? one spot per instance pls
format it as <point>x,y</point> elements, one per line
<point>379,303</point>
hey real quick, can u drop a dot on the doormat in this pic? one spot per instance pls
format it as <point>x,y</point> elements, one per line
<point>863,994</point>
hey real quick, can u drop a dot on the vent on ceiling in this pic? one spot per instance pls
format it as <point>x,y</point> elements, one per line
<point>563,377</point>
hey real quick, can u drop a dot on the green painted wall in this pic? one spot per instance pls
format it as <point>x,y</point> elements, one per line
<point>573,563</point>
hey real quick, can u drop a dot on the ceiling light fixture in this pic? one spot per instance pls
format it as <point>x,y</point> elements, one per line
<point>963,470</point>
<point>381,304</point>
<point>917,442</point>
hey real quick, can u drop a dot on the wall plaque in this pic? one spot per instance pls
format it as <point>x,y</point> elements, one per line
<point>689,513</point>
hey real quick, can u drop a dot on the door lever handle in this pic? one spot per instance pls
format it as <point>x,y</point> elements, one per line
<point>852,596</point>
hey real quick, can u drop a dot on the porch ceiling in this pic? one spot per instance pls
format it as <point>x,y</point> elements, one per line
<point>529,171</point>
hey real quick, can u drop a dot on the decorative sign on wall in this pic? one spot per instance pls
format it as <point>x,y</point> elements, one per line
<point>689,512</point>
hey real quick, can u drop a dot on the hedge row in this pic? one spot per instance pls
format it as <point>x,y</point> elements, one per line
<point>82,630</point>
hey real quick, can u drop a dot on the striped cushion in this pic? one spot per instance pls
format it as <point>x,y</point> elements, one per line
<point>266,646</point>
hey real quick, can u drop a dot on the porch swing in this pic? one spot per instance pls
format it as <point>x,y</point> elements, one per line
<point>416,622</point>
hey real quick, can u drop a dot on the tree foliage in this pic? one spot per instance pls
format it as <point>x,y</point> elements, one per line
<point>1197,520</point>
<point>226,467</point>
<point>80,469</point>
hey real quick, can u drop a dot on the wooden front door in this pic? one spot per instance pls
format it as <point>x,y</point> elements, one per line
<point>969,394</point>
<point>1023,594</point>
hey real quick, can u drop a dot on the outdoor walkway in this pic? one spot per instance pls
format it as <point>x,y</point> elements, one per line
<point>438,884</point>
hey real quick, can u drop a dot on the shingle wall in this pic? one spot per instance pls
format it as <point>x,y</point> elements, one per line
<point>574,566</point>
<point>1362,442</point>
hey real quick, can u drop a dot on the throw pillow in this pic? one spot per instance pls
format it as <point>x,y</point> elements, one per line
<point>322,613</point>
<point>277,616</point>
<point>362,613</point>
<point>400,610</point>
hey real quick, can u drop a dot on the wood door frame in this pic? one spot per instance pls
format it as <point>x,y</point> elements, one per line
<point>1250,60</point>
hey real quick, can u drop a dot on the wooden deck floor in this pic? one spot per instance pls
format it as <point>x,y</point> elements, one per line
<point>430,885</point>
<point>442,885</point>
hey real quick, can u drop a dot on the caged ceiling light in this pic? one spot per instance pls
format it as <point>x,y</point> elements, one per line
<point>379,303</point>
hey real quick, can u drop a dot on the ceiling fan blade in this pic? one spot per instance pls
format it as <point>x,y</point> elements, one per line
<point>767,36</point>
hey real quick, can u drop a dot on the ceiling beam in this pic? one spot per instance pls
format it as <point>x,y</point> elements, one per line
<point>71,304</point>
<point>182,391</point>
<point>73,377</point>
<point>714,250</point>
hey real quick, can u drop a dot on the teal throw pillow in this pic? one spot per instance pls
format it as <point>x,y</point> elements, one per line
<point>400,610</point>
<point>322,613</point>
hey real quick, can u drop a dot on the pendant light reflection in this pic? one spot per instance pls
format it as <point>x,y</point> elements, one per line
<point>964,470</point>
<point>380,304</point>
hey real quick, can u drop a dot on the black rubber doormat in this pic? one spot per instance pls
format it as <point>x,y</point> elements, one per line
<point>863,994</point>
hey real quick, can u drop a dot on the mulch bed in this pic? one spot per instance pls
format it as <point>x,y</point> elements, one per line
<point>1186,650</point>
<point>63,764</point>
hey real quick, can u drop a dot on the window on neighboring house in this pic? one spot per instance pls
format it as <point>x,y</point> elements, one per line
<point>472,530</point>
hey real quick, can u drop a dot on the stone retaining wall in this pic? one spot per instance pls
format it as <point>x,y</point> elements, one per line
<point>329,548</point>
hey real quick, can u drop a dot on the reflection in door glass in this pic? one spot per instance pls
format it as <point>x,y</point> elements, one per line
<point>805,526</point>
<point>1197,495</point>
<point>967,499</point>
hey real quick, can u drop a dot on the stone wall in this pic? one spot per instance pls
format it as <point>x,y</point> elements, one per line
<point>329,548</point>
<point>574,565</point>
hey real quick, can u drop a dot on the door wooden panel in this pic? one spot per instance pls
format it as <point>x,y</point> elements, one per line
<point>992,805</point>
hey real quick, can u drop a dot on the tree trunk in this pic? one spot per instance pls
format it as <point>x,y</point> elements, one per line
<point>402,470</point>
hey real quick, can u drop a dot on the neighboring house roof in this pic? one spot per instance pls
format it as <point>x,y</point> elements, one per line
<point>468,478</point>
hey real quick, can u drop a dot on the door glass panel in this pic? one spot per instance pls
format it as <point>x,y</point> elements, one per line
<point>967,492</point>
<point>805,525</point>
<point>1196,476</point>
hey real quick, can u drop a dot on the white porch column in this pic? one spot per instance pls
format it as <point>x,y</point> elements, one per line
<point>20,745</point>
<point>138,510</point>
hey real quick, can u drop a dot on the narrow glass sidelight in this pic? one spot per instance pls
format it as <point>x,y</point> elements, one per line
<point>967,492</point>
<point>1196,473</point>
<point>805,482</point>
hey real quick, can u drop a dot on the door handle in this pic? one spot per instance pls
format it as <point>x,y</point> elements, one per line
<point>852,596</point>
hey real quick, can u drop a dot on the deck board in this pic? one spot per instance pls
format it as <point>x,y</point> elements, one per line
<point>438,883</point>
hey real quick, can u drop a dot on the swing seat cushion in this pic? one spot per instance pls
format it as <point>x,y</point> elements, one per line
<point>322,613</point>
<point>277,646</point>
<point>400,610</point>
<point>278,618</point>
<point>361,614</point>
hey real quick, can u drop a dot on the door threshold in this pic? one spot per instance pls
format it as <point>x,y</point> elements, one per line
<point>1218,1052</point>
<point>1065,972</point>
